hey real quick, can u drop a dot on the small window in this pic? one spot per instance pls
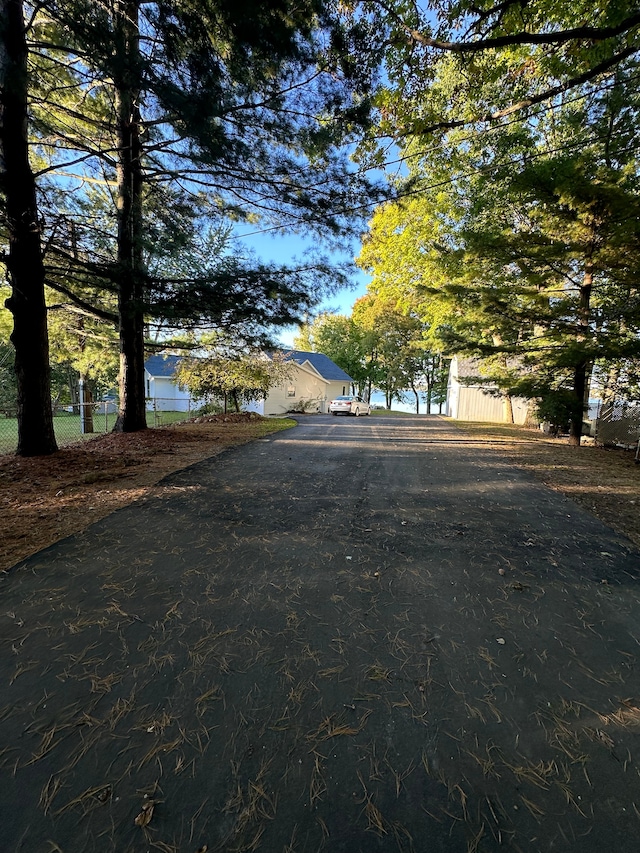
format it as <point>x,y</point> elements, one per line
<point>291,391</point>
<point>344,390</point>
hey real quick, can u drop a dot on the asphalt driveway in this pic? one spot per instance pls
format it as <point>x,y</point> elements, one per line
<point>358,635</point>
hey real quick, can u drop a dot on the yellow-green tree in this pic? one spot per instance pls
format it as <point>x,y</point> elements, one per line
<point>239,377</point>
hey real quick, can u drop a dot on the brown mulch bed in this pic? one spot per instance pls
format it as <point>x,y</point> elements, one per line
<point>606,481</point>
<point>46,498</point>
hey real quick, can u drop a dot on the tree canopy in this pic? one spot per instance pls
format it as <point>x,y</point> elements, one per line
<point>219,373</point>
<point>381,345</point>
<point>160,123</point>
<point>516,239</point>
<point>152,128</point>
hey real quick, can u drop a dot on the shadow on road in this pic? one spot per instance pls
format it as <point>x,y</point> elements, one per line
<point>320,642</point>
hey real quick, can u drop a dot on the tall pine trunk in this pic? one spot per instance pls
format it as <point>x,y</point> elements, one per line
<point>580,370</point>
<point>507,409</point>
<point>24,260</point>
<point>131,272</point>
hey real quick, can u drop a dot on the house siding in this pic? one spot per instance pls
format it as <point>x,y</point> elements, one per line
<point>305,386</point>
<point>163,395</point>
<point>475,404</point>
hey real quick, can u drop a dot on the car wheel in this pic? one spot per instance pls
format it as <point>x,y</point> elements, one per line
<point>357,413</point>
<point>334,413</point>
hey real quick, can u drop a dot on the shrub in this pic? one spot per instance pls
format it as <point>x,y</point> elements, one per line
<point>557,408</point>
<point>209,409</point>
<point>304,406</point>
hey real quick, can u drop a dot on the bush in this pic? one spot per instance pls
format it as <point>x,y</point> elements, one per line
<point>209,409</point>
<point>304,406</point>
<point>557,407</point>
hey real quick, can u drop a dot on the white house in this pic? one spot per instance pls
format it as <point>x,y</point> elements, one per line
<point>315,379</point>
<point>475,402</point>
<point>161,389</point>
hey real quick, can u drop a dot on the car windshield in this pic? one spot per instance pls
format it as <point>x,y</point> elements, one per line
<point>344,398</point>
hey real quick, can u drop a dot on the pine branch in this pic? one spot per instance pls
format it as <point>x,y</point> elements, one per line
<point>552,92</point>
<point>594,34</point>
<point>93,310</point>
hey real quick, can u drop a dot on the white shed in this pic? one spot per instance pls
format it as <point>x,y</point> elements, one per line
<point>468,401</point>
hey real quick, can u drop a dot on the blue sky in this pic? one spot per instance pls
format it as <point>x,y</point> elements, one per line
<point>284,248</point>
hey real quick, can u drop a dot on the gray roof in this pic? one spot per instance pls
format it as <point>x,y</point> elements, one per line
<point>328,369</point>
<point>467,366</point>
<point>161,365</point>
<point>476,367</point>
<point>165,365</point>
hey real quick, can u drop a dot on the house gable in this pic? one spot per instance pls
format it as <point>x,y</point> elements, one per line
<point>321,363</point>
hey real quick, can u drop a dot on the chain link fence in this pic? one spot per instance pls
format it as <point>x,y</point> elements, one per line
<point>618,425</point>
<point>84,421</point>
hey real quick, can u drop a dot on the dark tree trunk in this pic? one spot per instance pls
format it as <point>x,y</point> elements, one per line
<point>417,396</point>
<point>577,415</point>
<point>24,260</point>
<point>580,370</point>
<point>86,405</point>
<point>507,409</point>
<point>131,273</point>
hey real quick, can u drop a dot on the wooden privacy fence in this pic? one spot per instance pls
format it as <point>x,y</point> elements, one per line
<point>618,425</point>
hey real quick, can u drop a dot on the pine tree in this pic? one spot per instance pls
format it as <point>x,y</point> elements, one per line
<point>237,109</point>
<point>23,260</point>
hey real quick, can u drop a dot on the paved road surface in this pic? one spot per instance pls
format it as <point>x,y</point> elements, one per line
<point>358,635</point>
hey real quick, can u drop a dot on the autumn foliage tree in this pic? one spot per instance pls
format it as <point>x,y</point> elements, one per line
<point>518,128</point>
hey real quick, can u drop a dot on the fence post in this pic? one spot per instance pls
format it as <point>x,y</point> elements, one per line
<point>83,414</point>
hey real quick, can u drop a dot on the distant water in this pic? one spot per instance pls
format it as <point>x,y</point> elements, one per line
<point>408,406</point>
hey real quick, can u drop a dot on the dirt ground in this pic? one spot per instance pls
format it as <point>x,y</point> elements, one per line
<point>606,481</point>
<point>48,498</point>
<point>45,498</point>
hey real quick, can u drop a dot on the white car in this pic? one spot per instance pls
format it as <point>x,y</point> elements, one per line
<point>349,404</point>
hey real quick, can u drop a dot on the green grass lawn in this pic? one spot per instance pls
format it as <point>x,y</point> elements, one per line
<point>392,413</point>
<point>67,427</point>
